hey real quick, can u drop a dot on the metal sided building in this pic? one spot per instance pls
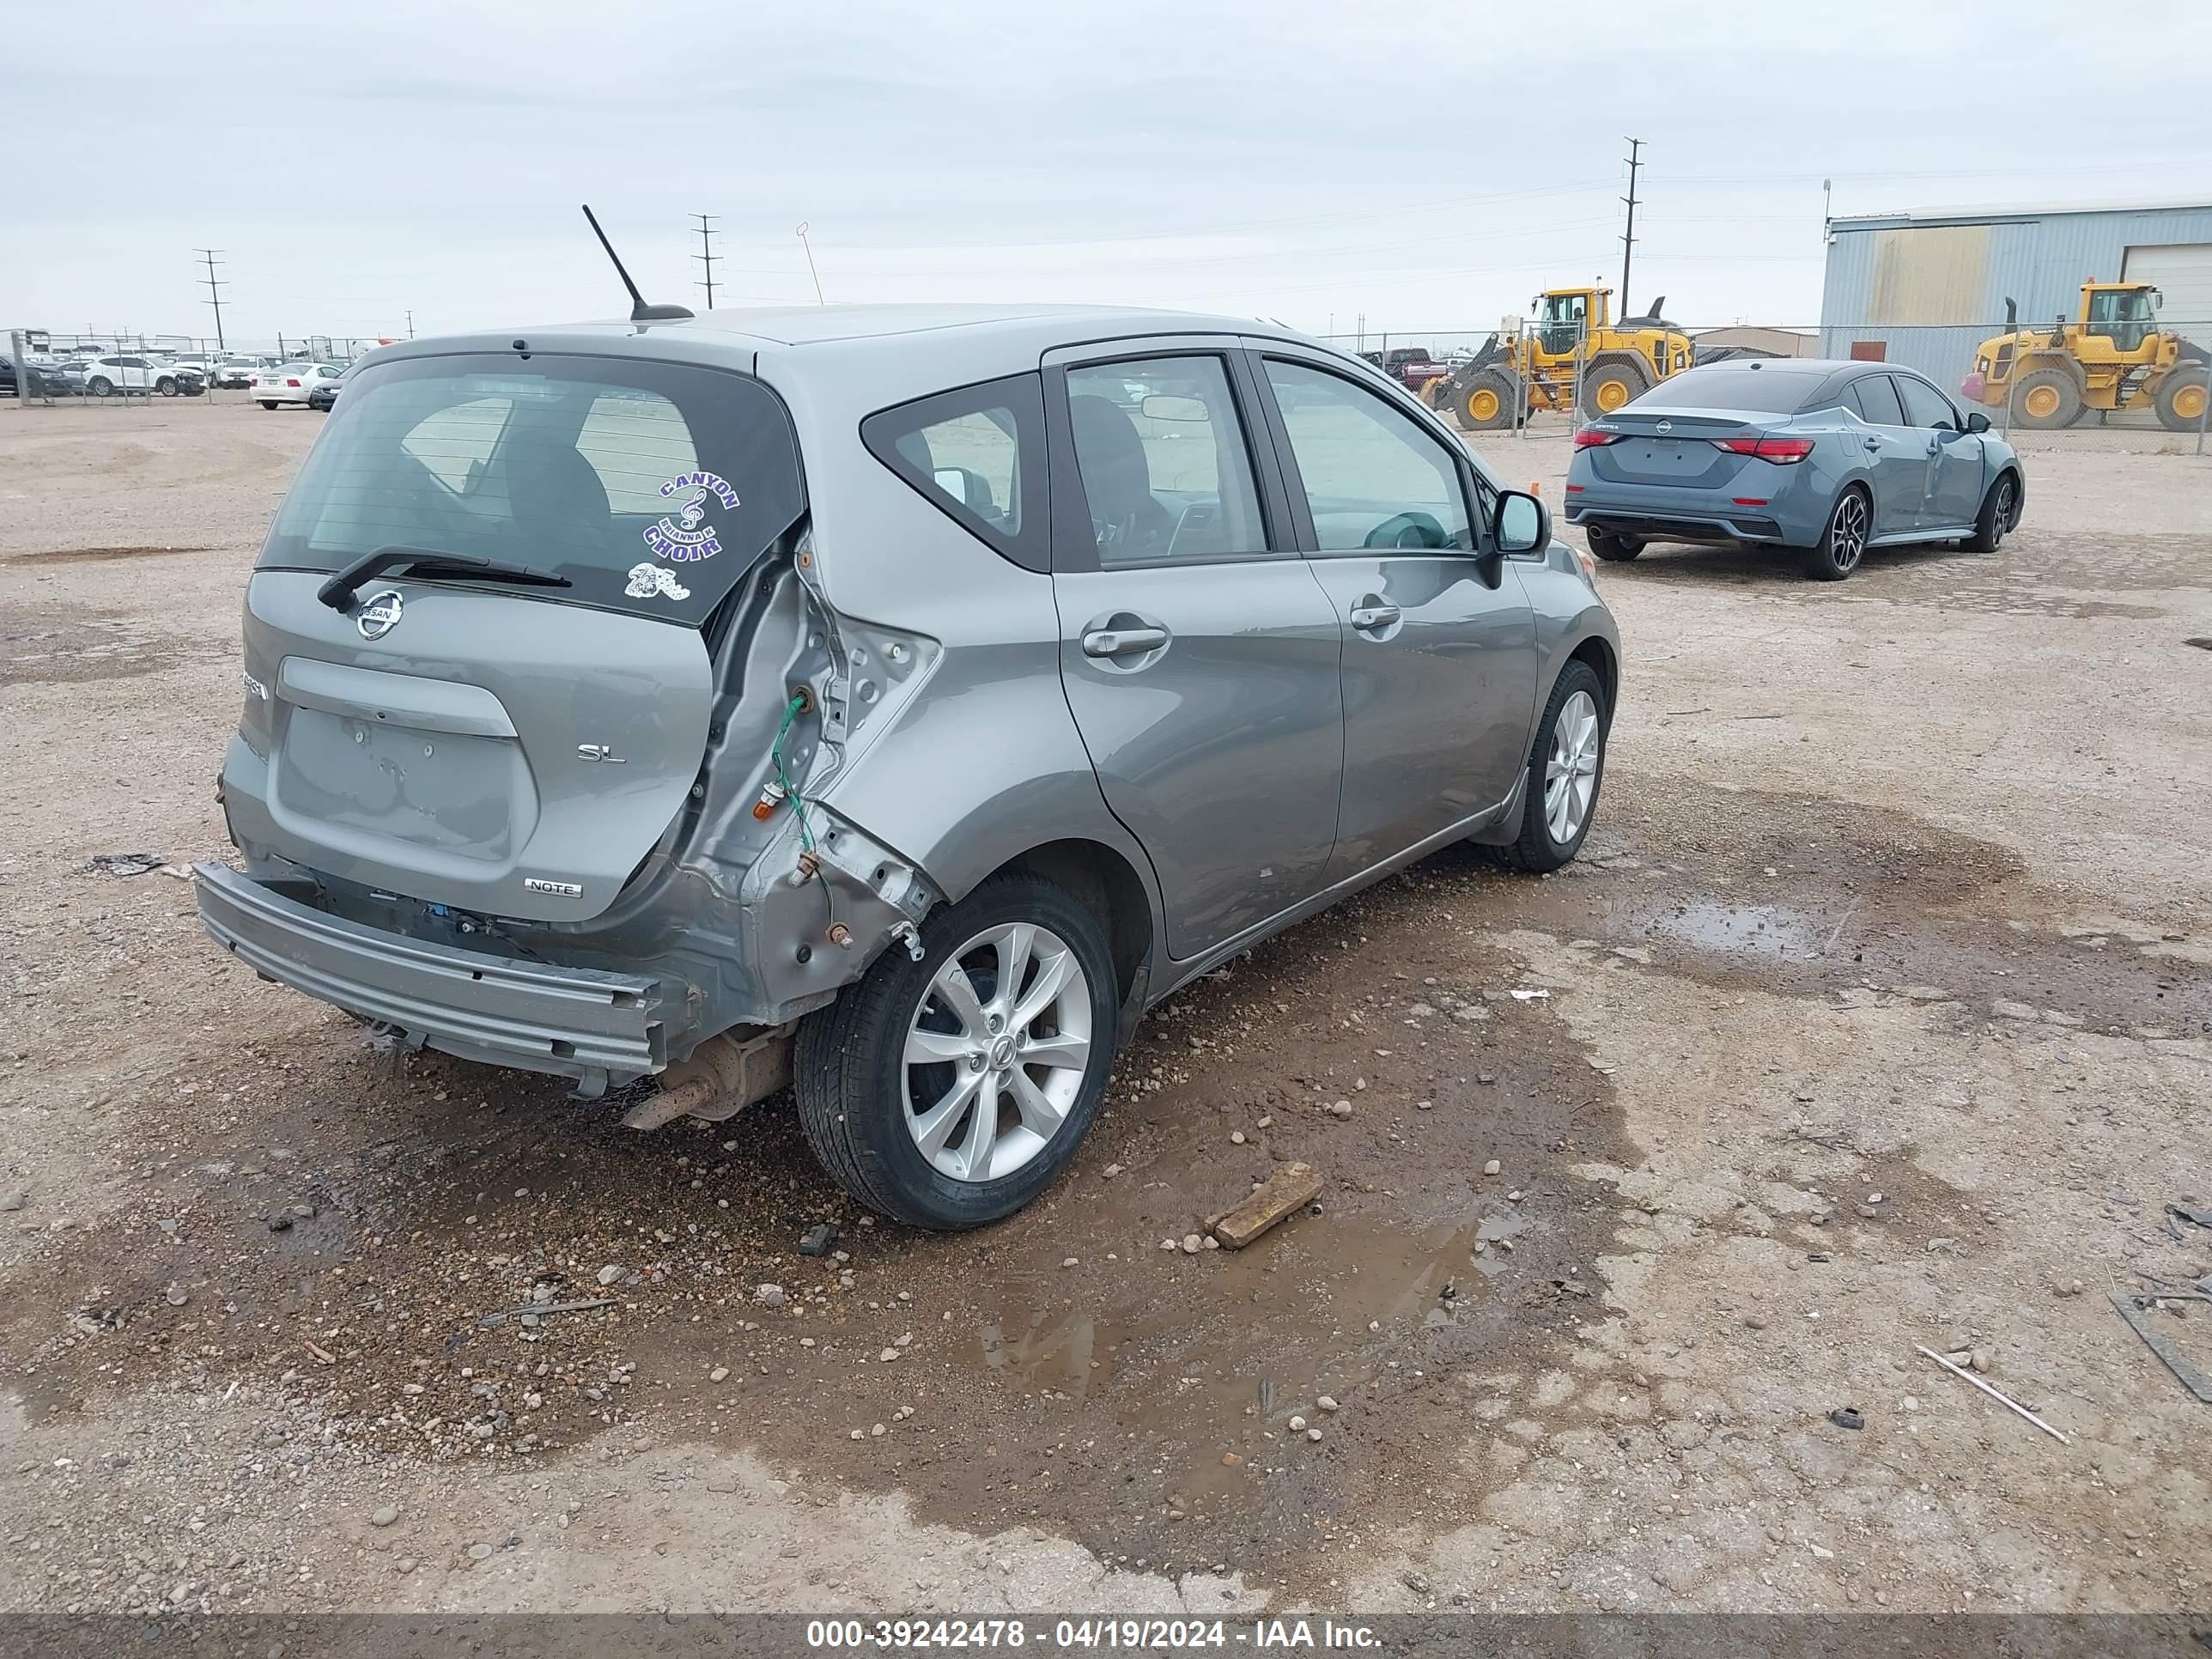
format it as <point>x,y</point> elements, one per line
<point>1925,288</point>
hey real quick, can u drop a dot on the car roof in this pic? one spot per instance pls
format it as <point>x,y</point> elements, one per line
<point>860,357</point>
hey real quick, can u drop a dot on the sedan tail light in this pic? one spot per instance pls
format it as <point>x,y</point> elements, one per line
<point>1780,450</point>
<point>1590,438</point>
<point>291,383</point>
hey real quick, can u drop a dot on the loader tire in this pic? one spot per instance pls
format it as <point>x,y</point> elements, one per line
<point>1484,401</point>
<point>2046,400</point>
<point>1611,384</point>
<point>2180,398</point>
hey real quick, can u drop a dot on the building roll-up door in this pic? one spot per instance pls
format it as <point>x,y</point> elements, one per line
<point>2182,271</point>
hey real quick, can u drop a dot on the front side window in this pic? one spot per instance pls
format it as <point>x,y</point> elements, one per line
<point>1166,474</point>
<point>1373,476</point>
<point>650,487</point>
<point>976,454</point>
<point>1924,405</point>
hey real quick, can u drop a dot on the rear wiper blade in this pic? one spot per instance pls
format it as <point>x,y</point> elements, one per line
<point>339,591</point>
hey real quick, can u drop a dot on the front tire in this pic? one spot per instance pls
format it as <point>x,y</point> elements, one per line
<point>165,386</point>
<point>1999,509</point>
<point>1566,764</point>
<point>100,386</point>
<point>2180,399</point>
<point>1484,401</point>
<point>1843,543</point>
<point>949,1093</point>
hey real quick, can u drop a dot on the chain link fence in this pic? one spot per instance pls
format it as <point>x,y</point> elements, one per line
<point>2127,382</point>
<point>126,370</point>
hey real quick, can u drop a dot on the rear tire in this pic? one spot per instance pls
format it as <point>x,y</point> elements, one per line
<point>864,1106</point>
<point>1843,543</point>
<point>1612,385</point>
<point>1999,509</point>
<point>1611,545</point>
<point>2046,400</point>
<point>2180,400</point>
<point>267,403</point>
<point>1566,759</point>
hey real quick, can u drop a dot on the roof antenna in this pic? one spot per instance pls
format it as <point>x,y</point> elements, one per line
<point>639,311</point>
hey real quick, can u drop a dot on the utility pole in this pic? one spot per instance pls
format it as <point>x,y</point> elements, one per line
<point>410,324</point>
<point>214,288</point>
<point>706,256</point>
<point>1628,237</point>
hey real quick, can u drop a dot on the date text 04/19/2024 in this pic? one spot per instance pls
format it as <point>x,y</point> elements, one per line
<point>1133,1635</point>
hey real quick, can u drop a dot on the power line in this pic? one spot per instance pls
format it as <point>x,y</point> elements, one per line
<point>706,234</point>
<point>214,288</point>
<point>1628,237</point>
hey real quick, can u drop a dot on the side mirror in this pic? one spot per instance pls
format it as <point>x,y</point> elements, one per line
<point>1978,421</point>
<point>953,481</point>
<point>1520,523</point>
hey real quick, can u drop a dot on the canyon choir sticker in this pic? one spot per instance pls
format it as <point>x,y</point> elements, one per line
<point>687,537</point>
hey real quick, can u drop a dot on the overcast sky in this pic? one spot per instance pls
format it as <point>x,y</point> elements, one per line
<point>1427,165</point>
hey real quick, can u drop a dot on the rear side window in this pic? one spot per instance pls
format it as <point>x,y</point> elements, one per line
<point>1727,386</point>
<point>651,486</point>
<point>1165,472</point>
<point>1875,400</point>
<point>976,454</point>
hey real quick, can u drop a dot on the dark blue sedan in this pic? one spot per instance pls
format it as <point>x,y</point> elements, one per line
<point>1825,457</point>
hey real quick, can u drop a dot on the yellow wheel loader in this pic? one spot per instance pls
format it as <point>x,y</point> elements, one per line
<point>2112,356</point>
<point>1524,367</point>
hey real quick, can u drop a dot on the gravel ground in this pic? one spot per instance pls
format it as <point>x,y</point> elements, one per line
<point>1877,1015</point>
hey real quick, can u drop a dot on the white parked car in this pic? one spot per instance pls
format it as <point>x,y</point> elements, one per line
<point>290,383</point>
<point>107,377</point>
<point>233,371</point>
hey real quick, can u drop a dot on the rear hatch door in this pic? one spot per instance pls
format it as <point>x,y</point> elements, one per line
<point>508,744</point>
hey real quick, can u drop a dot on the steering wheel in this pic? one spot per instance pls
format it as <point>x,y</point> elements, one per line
<point>1412,530</point>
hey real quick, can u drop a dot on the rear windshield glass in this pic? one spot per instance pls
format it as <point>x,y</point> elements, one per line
<point>1729,386</point>
<point>650,486</point>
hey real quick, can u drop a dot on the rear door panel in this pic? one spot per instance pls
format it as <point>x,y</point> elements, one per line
<point>1221,749</point>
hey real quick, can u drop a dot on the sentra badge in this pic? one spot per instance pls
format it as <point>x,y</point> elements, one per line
<point>687,536</point>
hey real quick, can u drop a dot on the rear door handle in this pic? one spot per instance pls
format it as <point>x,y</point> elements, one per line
<point>1122,642</point>
<point>1374,616</point>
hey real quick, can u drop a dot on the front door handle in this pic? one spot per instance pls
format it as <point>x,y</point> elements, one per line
<point>1374,616</point>
<point>1122,642</point>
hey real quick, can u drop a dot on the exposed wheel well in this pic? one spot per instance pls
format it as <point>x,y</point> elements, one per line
<point>1599,655</point>
<point>1103,879</point>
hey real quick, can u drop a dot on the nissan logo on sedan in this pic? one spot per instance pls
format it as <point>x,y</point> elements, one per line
<point>380,615</point>
<point>1666,426</point>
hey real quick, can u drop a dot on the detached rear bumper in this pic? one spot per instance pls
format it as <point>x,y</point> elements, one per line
<point>599,1028</point>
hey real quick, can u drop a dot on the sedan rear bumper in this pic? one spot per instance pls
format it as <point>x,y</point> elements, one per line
<point>1677,526</point>
<point>599,1028</point>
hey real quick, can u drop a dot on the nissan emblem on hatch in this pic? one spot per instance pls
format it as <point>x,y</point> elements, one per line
<point>380,615</point>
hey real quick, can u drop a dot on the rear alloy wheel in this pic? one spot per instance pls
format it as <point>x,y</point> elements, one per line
<point>2045,399</point>
<point>1999,509</point>
<point>1843,543</point>
<point>948,1092</point>
<point>1566,764</point>
<point>1611,545</point>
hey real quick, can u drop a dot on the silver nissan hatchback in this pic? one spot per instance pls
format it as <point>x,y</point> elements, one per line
<point>891,703</point>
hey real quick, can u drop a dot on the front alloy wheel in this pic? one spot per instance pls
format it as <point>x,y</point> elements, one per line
<point>1570,773</point>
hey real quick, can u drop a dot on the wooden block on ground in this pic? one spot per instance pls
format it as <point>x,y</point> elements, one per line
<point>1289,1187</point>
